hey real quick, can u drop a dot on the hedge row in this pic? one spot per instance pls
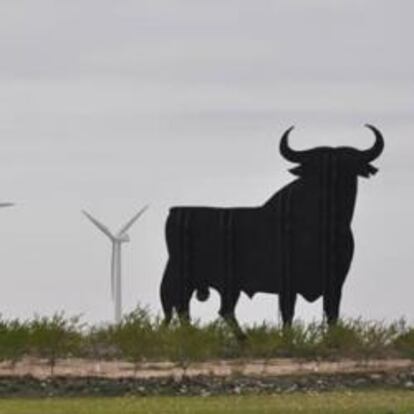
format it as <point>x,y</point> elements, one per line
<point>142,337</point>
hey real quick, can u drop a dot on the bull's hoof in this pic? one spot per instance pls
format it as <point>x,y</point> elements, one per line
<point>184,319</point>
<point>332,322</point>
<point>166,322</point>
<point>241,337</point>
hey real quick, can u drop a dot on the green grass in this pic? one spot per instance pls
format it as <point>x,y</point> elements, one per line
<point>369,402</point>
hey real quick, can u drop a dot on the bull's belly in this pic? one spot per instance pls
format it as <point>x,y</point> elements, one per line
<point>255,256</point>
<point>265,270</point>
<point>301,276</point>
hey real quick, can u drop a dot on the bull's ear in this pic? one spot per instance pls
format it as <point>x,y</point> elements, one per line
<point>297,171</point>
<point>366,170</point>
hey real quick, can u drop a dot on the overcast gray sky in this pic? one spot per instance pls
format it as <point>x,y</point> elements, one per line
<point>109,105</point>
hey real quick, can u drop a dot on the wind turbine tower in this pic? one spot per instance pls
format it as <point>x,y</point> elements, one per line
<point>117,240</point>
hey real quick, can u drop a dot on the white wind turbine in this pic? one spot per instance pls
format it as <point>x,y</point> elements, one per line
<point>116,269</point>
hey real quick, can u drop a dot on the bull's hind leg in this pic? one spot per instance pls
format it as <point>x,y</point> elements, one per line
<point>227,312</point>
<point>183,306</point>
<point>175,296</point>
<point>168,293</point>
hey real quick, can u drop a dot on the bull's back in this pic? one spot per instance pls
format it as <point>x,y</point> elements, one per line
<point>194,242</point>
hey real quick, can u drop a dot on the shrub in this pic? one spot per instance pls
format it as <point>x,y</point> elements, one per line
<point>55,337</point>
<point>135,336</point>
<point>100,343</point>
<point>187,343</point>
<point>404,341</point>
<point>341,340</point>
<point>14,337</point>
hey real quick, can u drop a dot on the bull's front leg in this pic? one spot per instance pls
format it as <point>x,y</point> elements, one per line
<point>331,304</point>
<point>227,312</point>
<point>287,301</point>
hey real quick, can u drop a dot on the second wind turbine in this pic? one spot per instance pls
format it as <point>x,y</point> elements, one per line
<point>116,267</point>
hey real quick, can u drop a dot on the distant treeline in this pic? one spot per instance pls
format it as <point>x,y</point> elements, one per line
<point>141,337</point>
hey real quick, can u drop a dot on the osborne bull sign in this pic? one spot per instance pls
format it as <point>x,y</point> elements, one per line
<point>298,242</point>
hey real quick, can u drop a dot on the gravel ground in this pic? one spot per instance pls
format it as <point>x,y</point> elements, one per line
<point>203,385</point>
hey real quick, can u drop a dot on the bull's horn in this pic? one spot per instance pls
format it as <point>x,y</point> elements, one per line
<point>286,151</point>
<point>376,150</point>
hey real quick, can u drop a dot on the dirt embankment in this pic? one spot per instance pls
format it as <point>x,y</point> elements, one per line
<point>40,369</point>
<point>31,378</point>
<point>76,377</point>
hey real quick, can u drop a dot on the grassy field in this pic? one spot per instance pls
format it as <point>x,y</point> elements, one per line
<point>367,402</point>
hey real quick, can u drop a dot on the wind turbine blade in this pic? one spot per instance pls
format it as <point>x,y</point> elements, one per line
<point>98,224</point>
<point>129,224</point>
<point>6,204</point>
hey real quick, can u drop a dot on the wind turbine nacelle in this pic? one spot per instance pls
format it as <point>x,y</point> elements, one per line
<point>123,238</point>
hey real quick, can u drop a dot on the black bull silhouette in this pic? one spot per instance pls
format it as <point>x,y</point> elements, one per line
<point>299,242</point>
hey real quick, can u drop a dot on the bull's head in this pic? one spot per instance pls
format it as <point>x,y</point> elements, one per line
<point>349,161</point>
